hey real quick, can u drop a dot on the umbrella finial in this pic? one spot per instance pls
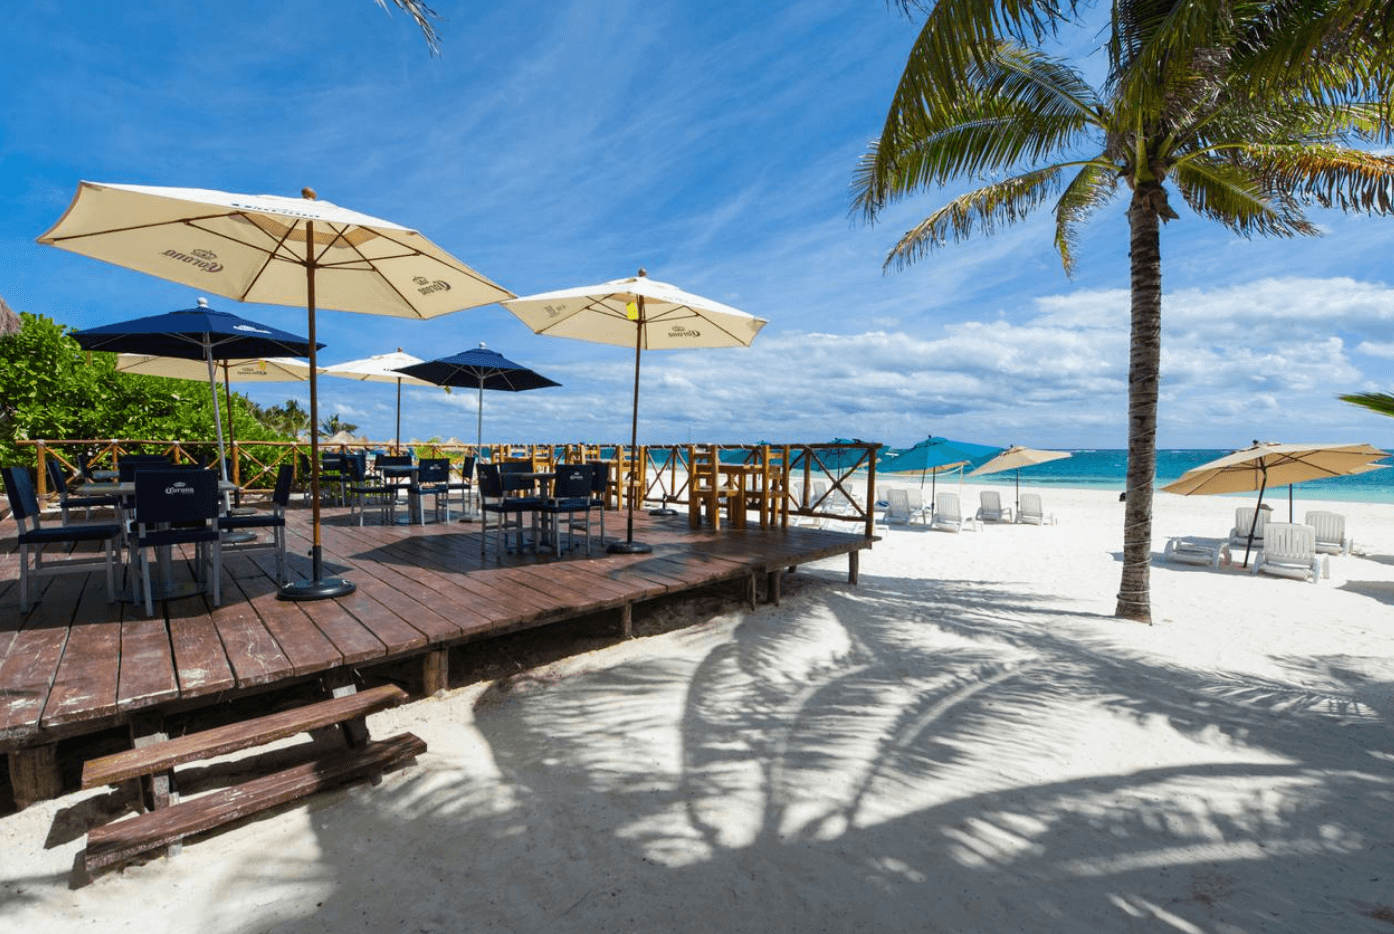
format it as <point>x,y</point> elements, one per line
<point>202,302</point>
<point>643,272</point>
<point>483,346</point>
<point>308,193</point>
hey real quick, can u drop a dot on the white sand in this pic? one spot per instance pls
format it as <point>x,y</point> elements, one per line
<point>966,742</point>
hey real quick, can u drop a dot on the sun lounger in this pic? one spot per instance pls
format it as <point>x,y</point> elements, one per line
<point>1290,550</point>
<point>917,505</point>
<point>1031,511</point>
<point>1330,528</point>
<point>897,508</point>
<point>991,508</point>
<point>948,516</point>
<point>1181,550</point>
<point>1243,521</point>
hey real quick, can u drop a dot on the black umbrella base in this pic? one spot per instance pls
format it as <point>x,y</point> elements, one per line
<point>665,511</point>
<point>629,548</point>
<point>317,590</point>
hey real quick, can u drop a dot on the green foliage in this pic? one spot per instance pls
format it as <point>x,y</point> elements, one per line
<point>52,389</point>
<point>1380,402</point>
<point>328,427</point>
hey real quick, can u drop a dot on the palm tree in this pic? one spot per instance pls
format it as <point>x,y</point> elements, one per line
<point>331,426</point>
<point>1249,111</point>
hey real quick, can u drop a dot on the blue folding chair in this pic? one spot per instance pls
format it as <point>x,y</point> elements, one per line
<point>177,507</point>
<point>274,521</point>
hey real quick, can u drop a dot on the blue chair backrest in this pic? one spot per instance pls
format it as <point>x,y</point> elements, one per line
<point>573,482</point>
<point>175,496</point>
<point>19,489</point>
<point>490,482</point>
<point>600,477</point>
<point>284,478</point>
<point>433,470</point>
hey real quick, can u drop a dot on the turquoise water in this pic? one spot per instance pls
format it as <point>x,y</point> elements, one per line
<point>1107,469</point>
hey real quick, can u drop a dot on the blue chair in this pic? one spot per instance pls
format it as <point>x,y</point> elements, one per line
<point>433,479</point>
<point>364,492</point>
<point>177,507</point>
<point>275,521</point>
<point>128,465</point>
<point>19,488</point>
<point>571,494</point>
<point>67,501</point>
<point>495,488</point>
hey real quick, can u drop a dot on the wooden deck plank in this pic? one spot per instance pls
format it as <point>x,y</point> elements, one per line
<point>200,662</point>
<point>85,683</point>
<point>252,652</point>
<point>306,648</point>
<point>147,673</point>
<point>28,671</point>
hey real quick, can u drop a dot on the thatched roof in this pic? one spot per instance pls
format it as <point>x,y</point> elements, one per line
<point>9,321</point>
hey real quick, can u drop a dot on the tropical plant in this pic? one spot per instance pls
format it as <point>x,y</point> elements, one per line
<point>287,419</point>
<point>1250,111</point>
<point>422,15</point>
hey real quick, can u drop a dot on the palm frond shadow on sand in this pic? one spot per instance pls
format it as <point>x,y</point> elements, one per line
<point>898,756</point>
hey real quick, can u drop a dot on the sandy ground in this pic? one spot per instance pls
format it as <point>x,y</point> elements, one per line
<point>965,742</point>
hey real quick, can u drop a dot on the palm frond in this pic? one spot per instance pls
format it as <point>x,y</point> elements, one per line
<point>1092,187</point>
<point>983,210</point>
<point>422,15</point>
<point>1227,193</point>
<point>958,33</point>
<point>1331,176</point>
<point>1157,46</point>
<point>1380,402</point>
<point>1019,107</point>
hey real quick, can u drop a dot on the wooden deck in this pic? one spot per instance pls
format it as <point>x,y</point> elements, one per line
<point>75,665</point>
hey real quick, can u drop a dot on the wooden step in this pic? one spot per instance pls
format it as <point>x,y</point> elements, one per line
<point>160,757</point>
<point>123,839</point>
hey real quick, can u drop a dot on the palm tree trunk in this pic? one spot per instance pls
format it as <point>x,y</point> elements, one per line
<point>1144,366</point>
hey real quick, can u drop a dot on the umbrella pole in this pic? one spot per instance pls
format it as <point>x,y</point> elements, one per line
<point>1290,519</point>
<point>1249,544</point>
<point>629,546</point>
<point>397,445</point>
<point>315,588</point>
<point>217,415</point>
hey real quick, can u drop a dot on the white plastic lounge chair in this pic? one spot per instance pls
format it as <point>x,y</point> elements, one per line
<point>897,508</point>
<point>948,516</point>
<point>1031,511</point>
<point>917,506</point>
<point>1290,550</point>
<point>1331,532</point>
<point>1243,519</point>
<point>991,508</point>
<point>1182,550</point>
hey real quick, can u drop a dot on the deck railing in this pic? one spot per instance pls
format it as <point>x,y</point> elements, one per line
<point>815,479</point>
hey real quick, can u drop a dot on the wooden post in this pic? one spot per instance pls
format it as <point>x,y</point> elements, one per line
<point>340,682</point>
<point>627,620</point>
<point>772,581</point>
<point>853,559</point>
<point>435,671</point>
<point>750,590</point>
<point>34,774</point>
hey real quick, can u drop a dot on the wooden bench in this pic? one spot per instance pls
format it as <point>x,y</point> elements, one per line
<point>168,821</point>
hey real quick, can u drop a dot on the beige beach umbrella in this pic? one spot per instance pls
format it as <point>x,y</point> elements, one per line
<point>1265,464</point>
<point>279,251</point>
<point>642,313</point>
<point>1016,457</point>
<point>381,368</point>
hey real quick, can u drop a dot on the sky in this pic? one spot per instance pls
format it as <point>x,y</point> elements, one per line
<point>558,143</point>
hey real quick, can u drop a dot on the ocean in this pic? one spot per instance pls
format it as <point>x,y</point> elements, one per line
<point>1107,469</point>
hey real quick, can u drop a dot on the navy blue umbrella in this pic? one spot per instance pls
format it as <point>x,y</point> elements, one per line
<point>196,334</point>
<point>480,369</point>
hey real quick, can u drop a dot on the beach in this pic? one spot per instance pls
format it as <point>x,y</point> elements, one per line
<point>965,741</point>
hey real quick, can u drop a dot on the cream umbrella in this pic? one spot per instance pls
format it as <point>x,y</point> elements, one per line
<point>1265,464</point>
<point>381,368</point>
<point>642,313</point>
<point>280,251</point>
<point>1016,457</point>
